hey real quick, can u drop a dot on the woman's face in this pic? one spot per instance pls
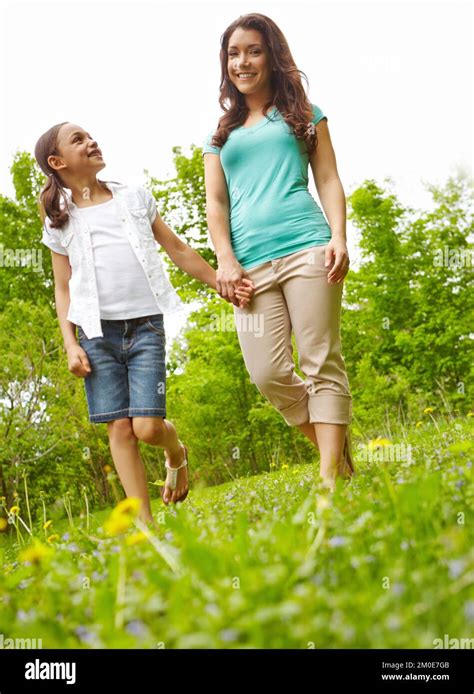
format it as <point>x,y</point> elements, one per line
<point>247,61</point>
<point>78,150</point>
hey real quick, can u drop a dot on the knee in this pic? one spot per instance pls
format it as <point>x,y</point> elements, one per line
<point>121,429</point>
<point>149,429</point>
<point>267,379</point>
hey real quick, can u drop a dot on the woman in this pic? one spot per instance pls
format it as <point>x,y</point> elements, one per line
<point>110,283</point>
<point>266,226</point>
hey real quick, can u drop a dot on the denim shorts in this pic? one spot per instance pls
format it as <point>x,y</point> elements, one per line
<point>128,370</point>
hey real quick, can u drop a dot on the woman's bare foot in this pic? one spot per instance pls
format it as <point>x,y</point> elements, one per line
<point>175,459</point>
<point>329,477</point>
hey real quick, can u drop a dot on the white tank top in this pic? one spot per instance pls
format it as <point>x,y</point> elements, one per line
<point>122,287</point>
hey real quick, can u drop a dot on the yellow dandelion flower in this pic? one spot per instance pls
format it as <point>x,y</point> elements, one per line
<point>419,424</point>
<point>15,510</point>
<point>135,539</point>
<point>47,524</point>
<point>35,553</point>
<point>116,525</point>
<point>129,506</point>
<point>375,443</point>
<point>428,410</point>
<point>122,516</point>
<point>53,538</point>
<point>3,524</point>
<point>107,468</point>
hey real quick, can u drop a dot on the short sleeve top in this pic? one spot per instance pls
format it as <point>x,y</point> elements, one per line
<point>272,213</point>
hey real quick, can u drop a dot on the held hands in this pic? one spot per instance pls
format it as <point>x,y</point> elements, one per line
<point>233,283</point>
<point>336,260</point>
<point>243,293</point>
<point>77,361</point>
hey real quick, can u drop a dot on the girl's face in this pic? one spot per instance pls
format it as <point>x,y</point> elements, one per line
<point>79,152</point>
<point>247,61</point>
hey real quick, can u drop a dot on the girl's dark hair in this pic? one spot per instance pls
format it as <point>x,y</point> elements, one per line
<point>289,96</point>
<point>53,189</point>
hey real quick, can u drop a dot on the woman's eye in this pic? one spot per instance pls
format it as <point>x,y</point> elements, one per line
<point>234,55</point>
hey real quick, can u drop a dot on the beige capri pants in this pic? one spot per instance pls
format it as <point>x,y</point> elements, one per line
<point>292,294</point>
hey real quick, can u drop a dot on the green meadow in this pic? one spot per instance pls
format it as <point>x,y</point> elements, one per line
<point>266,561</point>
<point>259,555</point>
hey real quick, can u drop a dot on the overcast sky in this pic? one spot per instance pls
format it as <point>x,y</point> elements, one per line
<point>394,79</point>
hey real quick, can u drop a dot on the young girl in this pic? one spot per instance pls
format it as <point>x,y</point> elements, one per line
<point>273,231</point>
<point>110,283</point>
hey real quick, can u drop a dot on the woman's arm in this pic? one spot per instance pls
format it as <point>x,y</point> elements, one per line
<point>333,200</point>
<point>229,272</point>
<point>188,260</point>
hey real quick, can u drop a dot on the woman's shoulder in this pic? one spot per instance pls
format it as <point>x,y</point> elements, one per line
<point>317,114</point>
<point>206,144</point>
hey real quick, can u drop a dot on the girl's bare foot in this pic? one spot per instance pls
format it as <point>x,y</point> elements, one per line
<point>175,459</point>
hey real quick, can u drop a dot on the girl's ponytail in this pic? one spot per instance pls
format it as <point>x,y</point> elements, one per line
<point>52,190</point>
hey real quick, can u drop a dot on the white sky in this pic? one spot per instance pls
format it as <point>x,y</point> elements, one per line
<point>394,79</point>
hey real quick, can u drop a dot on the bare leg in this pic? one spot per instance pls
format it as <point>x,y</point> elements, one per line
<point>309,431</point>
<point>128,463</point>
<point>157,431</point>
<point>331,445</point>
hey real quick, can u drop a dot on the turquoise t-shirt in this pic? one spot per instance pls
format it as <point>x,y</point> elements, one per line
<point>272,212</point>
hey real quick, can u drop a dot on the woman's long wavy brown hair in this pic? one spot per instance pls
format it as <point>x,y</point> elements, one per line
<point>53,189</point>
<point>289,96</point>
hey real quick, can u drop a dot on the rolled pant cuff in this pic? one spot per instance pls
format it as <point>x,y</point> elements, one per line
<point>296,413</point>
<point>330,408</point>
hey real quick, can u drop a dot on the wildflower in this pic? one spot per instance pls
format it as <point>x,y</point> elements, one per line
<point>14,510</point>
<point>129,506</point>
<point>135,539</point>
<point>428,410</point>
<point>35,553</point>
<point>284,466</point>
<point>3,524</point>
<point>107,468</point>
<point>47,524</point>
<point>53,538</point>
<point>116,526</point>
<point>122,516</point>
<point>375,443</point>
<point>419,424</point>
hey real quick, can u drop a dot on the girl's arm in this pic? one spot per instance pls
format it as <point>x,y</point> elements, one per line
<point>188,260</point>
<point>78,362</point>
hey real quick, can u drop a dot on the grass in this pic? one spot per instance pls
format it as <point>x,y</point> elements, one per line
<point>270,561</point>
